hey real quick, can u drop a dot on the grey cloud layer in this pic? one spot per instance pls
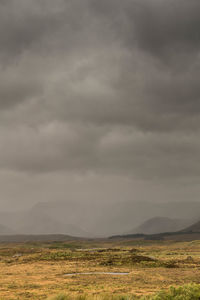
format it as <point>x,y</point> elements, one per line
<point>104,86</point>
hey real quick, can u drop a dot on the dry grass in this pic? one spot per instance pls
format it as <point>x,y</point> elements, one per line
<point>35,271</point>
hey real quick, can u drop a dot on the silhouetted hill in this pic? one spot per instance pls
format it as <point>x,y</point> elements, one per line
<point>193,228</point>
<point>160,224</point>
<point>190,233</point>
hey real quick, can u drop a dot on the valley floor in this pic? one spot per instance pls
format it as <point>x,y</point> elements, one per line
<point>39,271</point>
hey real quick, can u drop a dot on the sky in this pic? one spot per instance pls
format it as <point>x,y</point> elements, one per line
<point>99,101</point>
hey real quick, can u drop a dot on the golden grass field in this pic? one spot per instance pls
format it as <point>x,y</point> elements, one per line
<point>38,271</point>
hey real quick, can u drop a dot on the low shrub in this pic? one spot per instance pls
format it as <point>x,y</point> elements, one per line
<point>186,292</point>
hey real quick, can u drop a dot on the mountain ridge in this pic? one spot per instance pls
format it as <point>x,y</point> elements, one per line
<point>160,224</point>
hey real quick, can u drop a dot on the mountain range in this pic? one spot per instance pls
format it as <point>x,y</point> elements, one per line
<point>94,219</point>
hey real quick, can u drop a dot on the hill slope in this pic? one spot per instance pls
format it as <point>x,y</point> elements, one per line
<point>160,224</point>
<point>193,228</point>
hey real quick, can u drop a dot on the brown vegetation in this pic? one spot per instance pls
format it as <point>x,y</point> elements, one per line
<point>38,271</point>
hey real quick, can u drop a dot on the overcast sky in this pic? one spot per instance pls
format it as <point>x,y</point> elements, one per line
<point>99,100</point>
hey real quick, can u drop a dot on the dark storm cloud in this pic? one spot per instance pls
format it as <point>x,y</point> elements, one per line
<point>167,28</point>
<point>100,86</point>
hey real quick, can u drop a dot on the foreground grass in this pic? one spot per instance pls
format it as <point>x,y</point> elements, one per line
<point>38,271</point>
<point>186,292</point>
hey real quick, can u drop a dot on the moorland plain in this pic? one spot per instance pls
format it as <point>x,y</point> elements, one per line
<point>42,270</point>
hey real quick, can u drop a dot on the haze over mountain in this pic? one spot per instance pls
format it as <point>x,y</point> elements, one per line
<point>160,225</point>
<point>99,113</point>
<point>37,222</point>
<point>4,230</point>
<point>193,228</point>
<point>100,220</point>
